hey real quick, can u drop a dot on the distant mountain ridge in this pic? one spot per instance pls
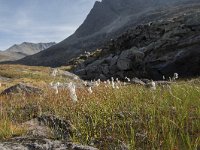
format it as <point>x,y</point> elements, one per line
<point>22,50</point>
<point>106,20</point>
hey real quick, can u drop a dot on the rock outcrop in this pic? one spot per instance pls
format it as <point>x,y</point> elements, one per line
<point>26,143</point>
<point>21,89</point>
<point>40,136</point>
<point>159,48</point>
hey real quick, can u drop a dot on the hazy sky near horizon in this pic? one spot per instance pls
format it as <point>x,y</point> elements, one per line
<point>40,20</point>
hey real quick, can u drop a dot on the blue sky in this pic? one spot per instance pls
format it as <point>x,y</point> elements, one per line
<point>40,20</point>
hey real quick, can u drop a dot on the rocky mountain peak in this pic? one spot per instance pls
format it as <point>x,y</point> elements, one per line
<point>107,20</point>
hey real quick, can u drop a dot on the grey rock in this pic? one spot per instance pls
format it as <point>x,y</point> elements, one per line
<point>114,61</point>
<point>80,72</point>
<point>5,79</point>
<point>91,69</point>
<point>105,70</point>
<point>145,80</point>
<point>129,58</point>
<point>102,77</point>
<point>61,128</point>
<point>163,82</point>
<point>70,75</point>
<point>21,88</point>
<point>137,81</point>
<point>31,143</point>
<point>40,133</point>
<point>164,47</point>
<point>108,59</point>
<point>37,129</point>
<point>192,20</point>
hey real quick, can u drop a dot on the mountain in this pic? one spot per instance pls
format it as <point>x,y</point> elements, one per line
<point>152,50</point>
<point>22,50</point>
<point>106,20</point>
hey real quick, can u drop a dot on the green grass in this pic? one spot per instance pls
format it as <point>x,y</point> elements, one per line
<point>167,118</point>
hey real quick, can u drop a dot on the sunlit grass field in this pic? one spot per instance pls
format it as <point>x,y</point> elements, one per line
<point>167,118</point>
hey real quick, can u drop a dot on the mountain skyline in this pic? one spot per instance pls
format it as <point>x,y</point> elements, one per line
<point>18,51</point>
<point>40,21</point>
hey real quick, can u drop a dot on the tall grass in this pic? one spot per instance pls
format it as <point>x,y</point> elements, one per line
<point>166,118</point>
<point>141,118</point>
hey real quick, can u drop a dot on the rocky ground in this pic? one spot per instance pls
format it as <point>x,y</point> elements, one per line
<point>40,133</point>
<point>152,50</point>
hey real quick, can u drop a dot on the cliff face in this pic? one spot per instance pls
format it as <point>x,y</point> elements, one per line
<point>106,20</point>
<point>160,48</point>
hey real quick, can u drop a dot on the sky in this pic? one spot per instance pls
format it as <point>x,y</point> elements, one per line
<point>40,20</point>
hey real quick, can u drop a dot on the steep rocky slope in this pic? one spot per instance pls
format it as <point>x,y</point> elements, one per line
<point>22,50</point>
<point>106,20</point>
<point>159,48</point>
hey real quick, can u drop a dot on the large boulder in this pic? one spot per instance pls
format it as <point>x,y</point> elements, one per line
<point>130,58</point>
<point>21,89</point>
<point>187,64</point>
<point>42,134</point>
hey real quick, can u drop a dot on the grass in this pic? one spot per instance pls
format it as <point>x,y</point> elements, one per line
<point>167,118</point>
<point>8,129</point>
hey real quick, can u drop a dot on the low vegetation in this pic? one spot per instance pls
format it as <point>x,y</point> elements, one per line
<point>133,115</point>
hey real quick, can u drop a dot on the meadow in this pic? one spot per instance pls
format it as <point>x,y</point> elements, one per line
<point>167,118</point>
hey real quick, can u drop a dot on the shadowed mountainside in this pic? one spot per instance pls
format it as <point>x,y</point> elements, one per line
<point>106,20</point>
<point>159,48</point>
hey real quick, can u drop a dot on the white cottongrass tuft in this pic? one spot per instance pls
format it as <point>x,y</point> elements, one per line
<point>55,72</point>
<point>108,81</point>
<point>58,84</point>
<point>113,84</point>
<point>97,83</point>
<point>90,90</point>
<point>175,76</point>
<point>72,90</point>
<point>153,85</point>
<point>163,77</point>
<point>85,83</point>
<point>128,79</point>
<point>117,80</point>
<point>51,84</point>
<point>55,87</point>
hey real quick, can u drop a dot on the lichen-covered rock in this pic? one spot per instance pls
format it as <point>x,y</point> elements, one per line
<point>41,134</point>
<point>34,143</point>
<point>21,88</point>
